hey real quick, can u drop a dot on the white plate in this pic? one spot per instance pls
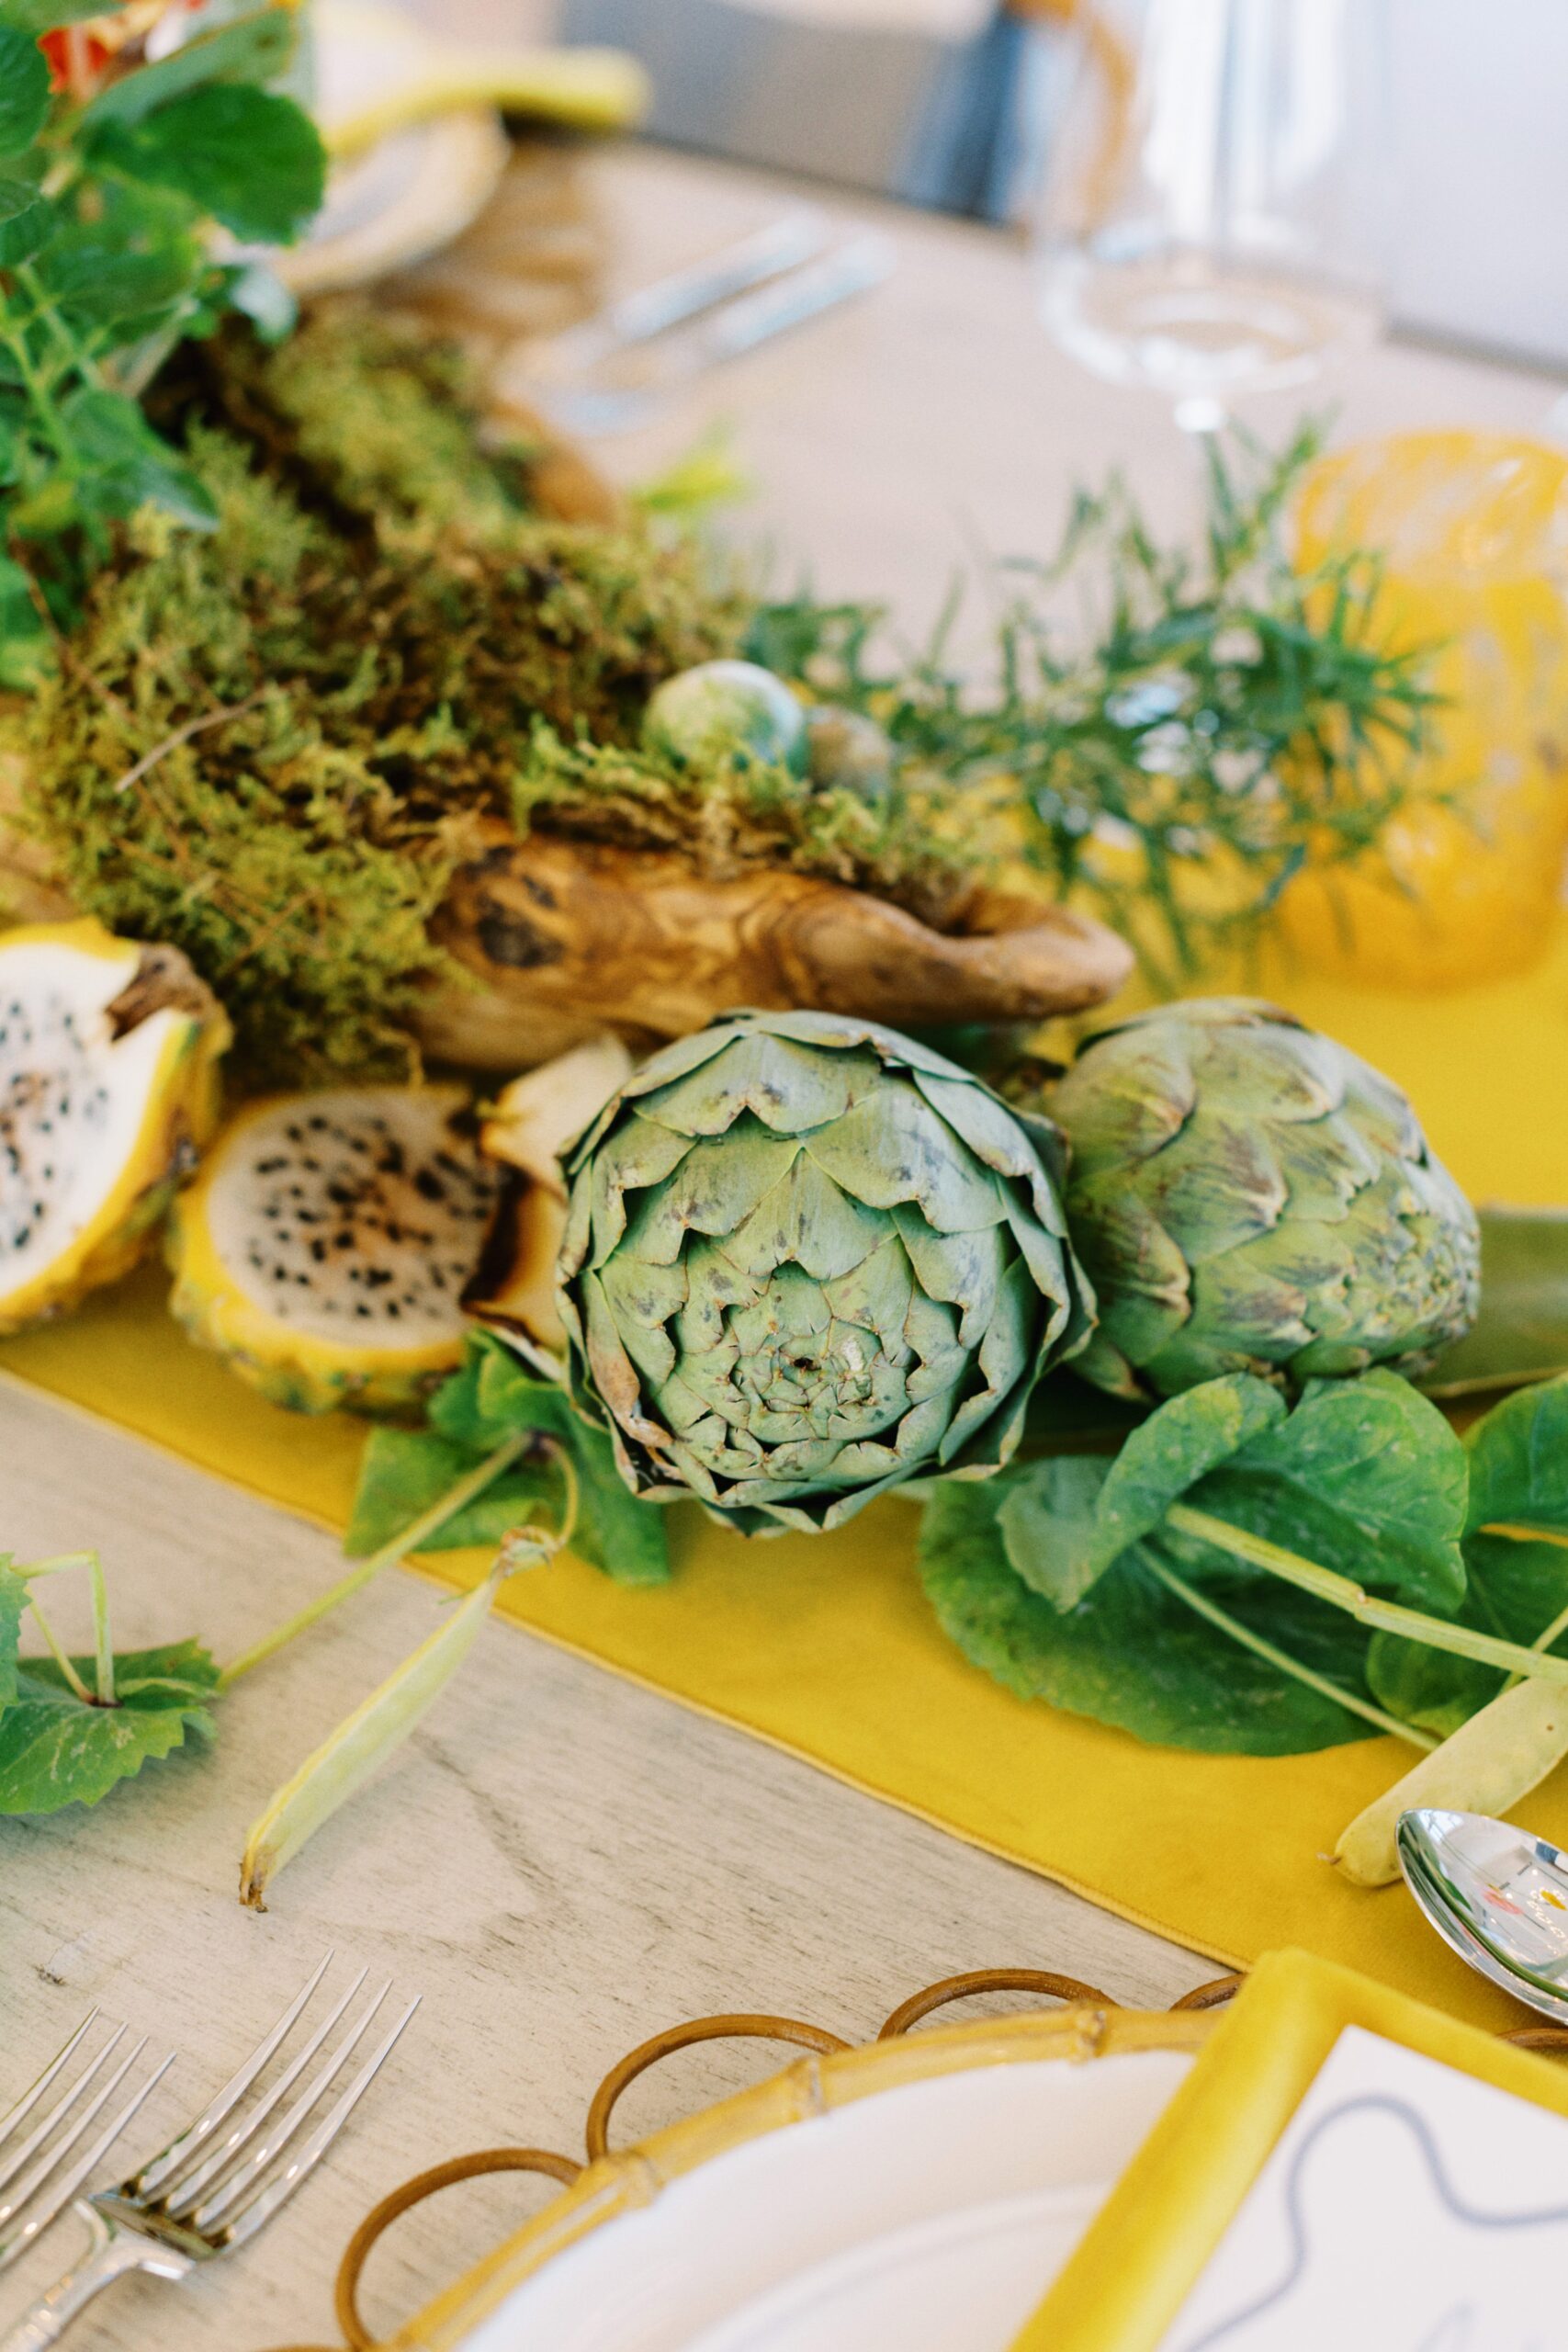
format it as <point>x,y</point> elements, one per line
<point>931,2216</point>
<point>416,189</point>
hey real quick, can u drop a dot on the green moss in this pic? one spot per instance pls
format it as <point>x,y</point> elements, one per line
<point>270,745</point>
<point>734,815</point>
<point>384,622</point>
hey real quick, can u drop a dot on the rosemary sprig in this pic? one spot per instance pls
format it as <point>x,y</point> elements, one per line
<point>1165,735</point>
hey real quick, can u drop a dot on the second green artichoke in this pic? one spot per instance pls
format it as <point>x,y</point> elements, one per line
<point>806,1258</point>
<point>1248,1195</point>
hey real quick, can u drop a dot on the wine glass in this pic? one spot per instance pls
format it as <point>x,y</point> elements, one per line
<point>1213,210</point>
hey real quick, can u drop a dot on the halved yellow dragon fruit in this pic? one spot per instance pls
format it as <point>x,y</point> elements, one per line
<point>325,1245</point>
<point>109,1055</point>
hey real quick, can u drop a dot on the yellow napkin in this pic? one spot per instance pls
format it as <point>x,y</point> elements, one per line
<point>826,1646</point>
<point>1150,2241</point>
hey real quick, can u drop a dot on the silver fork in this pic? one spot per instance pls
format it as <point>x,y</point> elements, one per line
<point>212,2189</point>
<point>34,2176</point>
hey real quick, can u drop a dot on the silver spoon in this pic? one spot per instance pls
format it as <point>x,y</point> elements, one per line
<point>1498,1897</point>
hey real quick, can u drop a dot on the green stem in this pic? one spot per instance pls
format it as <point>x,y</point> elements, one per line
<point>27,1569</point>
<point>1340,1592</point>
<point>407,1540</point>
<point>39,393</point>
<point>1520,1531</point>
<point>103,1644</point>
<point>1280,1658</point>
<point>62,1661</point>
<point>1542,1641</point>
<point>73,354</point>
<point>573,1498</point>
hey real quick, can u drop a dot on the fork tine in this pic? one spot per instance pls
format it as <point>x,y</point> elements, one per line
<point>209,2209</point>
<point>184,2189</point>
<point>21,2157</point>
<point>264,2203</point>
<point>144,2186</point>
<point>61,2192</point>
<point>29,2098</point>
<point>38,2173</point>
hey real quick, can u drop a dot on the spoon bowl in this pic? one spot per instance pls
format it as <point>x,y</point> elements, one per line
<point>1498,1897</point>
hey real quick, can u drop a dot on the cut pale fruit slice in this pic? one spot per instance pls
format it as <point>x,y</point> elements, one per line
<point>528,1127</point>
<point>324,1247</point>
<point>108,1055</point>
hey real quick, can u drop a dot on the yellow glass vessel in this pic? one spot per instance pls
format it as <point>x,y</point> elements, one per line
<point>1472,529</point>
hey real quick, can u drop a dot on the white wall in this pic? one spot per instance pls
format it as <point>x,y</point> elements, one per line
<point>1481,171</point>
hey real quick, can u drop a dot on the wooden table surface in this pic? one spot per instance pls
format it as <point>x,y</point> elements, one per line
<point>559,1862</point>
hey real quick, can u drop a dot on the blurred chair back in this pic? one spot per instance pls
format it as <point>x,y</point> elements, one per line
<point>935,101</point>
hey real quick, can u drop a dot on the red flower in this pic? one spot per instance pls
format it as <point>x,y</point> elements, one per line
<point>74,54</point>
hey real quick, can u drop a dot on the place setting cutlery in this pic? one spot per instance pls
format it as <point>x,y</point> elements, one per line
<point>216,2185</point>
<point>1498,1897</point>
<point>617,369</point>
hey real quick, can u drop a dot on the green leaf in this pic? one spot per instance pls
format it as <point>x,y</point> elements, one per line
<point>1519,1476</point>
<point>252,160</point>
<point>1130,1653</point>
<point>138,256</point>
<point>18,192</point>
<point>1365,1477</point>
<point>1049,1524</point>
<point>404,1471</point>
<point>121,464</point>
<point>27,650</point>
<point>615,1532</point>
<point>492,1396</point>
<point>1173,1450</point>
<point>13,1607</point>
<point>1521,1333</point>
<point>55,1751</point>
<point>256,48</point>
<point>1519,1462</point>
<point>37,17</point>
<point>24,90</point>
<point>483,1404</point>
<point>23,232</point>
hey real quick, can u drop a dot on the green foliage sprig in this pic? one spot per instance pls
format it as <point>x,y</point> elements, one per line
<point>110,187</point>
<point>71,1729</point>
<point>1168,736</point>
<point>1248,1579</point>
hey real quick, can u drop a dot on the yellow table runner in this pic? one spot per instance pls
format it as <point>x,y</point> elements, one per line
<point>826,1646</point>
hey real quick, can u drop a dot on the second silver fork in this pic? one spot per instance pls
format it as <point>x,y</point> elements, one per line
<point>41,2171</point>
<point>213,2190</point>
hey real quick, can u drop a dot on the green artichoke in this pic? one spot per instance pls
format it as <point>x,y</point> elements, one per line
<point>1246,1196</point>
<point>806,1258</point>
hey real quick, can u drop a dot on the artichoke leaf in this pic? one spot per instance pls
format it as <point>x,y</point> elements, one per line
<point>997,1135</point>
<point>892,1147</point>
<point>964,1270</point>
<point>789,1088</point>
<point>806,1219</point>
<point>640,1155</point>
